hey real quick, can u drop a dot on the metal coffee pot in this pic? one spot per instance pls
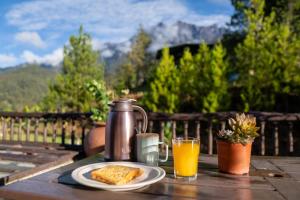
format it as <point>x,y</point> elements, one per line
<point>121,130</point>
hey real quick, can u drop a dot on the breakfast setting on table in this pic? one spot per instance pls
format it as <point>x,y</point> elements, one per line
<point>133,158</point>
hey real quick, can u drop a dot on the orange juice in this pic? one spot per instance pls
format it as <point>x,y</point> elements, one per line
<point>185,154</point>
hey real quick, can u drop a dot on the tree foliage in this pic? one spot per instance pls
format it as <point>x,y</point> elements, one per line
<point>214,84</point>
<point>267,60</point>
<point>198,83</point>
<point>203,79</point>
<point>133,73</point>
<point>100,105</point>
<point>80,65</point>
<point>163,94</point>
<point>188,81</point>
<point>285,11</point>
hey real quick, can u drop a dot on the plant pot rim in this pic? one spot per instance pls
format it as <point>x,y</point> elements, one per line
<point>98,123</point>
<point>228,142</point>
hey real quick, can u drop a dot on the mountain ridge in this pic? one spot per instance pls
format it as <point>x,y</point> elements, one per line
<point>161,34</point>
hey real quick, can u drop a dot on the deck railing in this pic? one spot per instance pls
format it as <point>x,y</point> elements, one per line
<point>57,129</point>
<point>279,133</point>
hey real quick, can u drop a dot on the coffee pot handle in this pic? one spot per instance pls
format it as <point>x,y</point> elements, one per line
<point>145,118</point>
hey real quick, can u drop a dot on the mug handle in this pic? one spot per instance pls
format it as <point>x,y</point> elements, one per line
<point>167,152</point>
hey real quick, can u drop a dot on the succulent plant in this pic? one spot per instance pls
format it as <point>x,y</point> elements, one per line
<point>242,129</point>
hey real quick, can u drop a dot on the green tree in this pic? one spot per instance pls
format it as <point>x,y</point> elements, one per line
<point>211,80</point>
<point>252,59</point>
<point>268,59</point>
<point>217,90</point>
<point>135,70</point>
<point>188,81</point>
<point>285,59</point>
<point>285,10</point>
<point>163,93</point>
<point>80,65</point>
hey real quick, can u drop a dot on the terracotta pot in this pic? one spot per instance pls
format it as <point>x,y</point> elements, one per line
<point>94,142</point>
<point>234,158</point>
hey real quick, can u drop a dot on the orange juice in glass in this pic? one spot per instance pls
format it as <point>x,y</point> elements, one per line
<point>185,155</point>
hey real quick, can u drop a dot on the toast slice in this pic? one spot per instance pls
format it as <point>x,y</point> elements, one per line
<point>116,174</point>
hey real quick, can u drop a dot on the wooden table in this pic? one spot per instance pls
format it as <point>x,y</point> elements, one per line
<point>20,161</point>
<point>270,178</point>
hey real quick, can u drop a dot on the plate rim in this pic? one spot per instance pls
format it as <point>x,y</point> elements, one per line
<point>161,174</point>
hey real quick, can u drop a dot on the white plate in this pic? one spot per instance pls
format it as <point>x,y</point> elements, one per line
<point>150,176</point>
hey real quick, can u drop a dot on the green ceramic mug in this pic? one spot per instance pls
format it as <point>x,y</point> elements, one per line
<point>147,149</point>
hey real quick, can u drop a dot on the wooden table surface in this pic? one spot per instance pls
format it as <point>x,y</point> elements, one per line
<point>20,161</point>
<point>269,178</point>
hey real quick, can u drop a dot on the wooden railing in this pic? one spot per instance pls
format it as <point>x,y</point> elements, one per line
<point>58,129</point>
<point>279,133</point>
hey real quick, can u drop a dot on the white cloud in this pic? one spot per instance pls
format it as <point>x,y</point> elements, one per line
<point>107,53</point>
<point>96,44</point>
<point>125,47</point>
<point>7,60</point>
<point>32,38</point>
<point>108,19</point>
<point>53,58</point>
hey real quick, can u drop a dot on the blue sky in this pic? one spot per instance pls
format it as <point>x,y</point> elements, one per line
<point>35,31</point>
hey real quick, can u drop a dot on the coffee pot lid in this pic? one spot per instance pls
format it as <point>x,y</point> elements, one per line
<point>124,100</point>
<point>122,104</point>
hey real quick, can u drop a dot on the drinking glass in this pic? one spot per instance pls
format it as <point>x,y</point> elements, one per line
<point>185,155</point>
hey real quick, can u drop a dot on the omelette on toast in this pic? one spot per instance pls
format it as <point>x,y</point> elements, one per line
<point>116,174</point>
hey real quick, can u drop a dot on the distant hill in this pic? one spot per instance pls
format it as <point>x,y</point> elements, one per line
<point>24,85</point>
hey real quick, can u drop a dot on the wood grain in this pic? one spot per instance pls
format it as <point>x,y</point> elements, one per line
<point>210,183</point>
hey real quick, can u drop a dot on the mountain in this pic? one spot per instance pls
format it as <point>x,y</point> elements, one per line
<point>113,54</point>
<point>24,65</point>
<point>179,33</point>
<point>162,35</point>
<point>24,85</point>
<point>183,33</point>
